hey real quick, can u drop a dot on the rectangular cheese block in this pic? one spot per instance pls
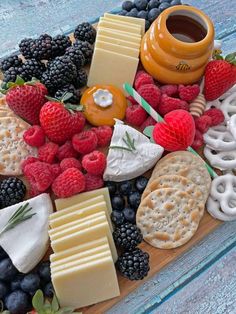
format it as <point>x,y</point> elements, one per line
<point>86,284</point>
<point>79,214</point>
<point>126,24</point>
<point>78,249</point>
<point>76,199</point>
<point>116,68</point>
<point>116,41</point>
<point>133,52</point>
<point>79,255</point>
<point>129,19</point>
<point>119,35</point>
<point>119,27</point>
<point>92,220</point>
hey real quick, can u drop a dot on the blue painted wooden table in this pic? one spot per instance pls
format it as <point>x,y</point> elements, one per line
<point>203,280</point>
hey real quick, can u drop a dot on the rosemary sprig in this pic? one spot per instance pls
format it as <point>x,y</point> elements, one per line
<point>129,142</point>
<point>20,215</point>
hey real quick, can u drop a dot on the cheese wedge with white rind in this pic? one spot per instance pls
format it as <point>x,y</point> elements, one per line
<point>27,242</point>
<point>129,19</point>
<point>125,165</point>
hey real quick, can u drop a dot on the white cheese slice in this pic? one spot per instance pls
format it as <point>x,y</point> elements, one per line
<point>125,165</point>
<point>27,242</point>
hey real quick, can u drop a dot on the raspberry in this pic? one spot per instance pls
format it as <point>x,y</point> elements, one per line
<point>70,163</point>
<point>56,170</point>
<point>135,115</point>
<point>198,140</point>
<point>148,122</point>
<point>27,161</point>
<point>33,191</point>
<point>68,183</point>
<point>169,104</point>
<point>216,116</point>
<point>203,123</point>
<point>141,79</point>
<point>188,92</point>
<point>47,152</point>
<point>34,136</point>
<point>94,163</point>
<point>66,151</point>
<point>85,142</point>
<point>93,182</point>
<point>39,175</point>
<point>151,93</point>
<point>104,134</point>
<point>169,89</point>
<point>132,100</point>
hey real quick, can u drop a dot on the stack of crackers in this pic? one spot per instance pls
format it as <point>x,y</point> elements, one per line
<point>174,200</point>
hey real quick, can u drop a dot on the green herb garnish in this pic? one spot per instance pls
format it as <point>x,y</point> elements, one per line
<point>129,142</point>
<point>20,215</point>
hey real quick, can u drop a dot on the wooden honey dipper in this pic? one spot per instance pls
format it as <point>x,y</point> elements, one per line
<point>198,105</point>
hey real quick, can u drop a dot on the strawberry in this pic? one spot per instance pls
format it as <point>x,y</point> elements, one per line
<point>61,121</point>
<point>26,99</point>
<point>220,75</point>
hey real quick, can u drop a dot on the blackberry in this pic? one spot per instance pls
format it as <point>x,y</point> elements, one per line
<point>127,236</point>
<point>12,191</point>
<point>85,32</point>
<point>61,43</point>
<point>32,68</point>
<point>43,47</point>
<point>134,265</point>
<point>69,88</point>
<point>26,47</point>
<point>48,81</point>
<point>81,79</point>
<point>86,48</point>
<point>76,56</point>
<point>11,74</point>
<point>12,61</point>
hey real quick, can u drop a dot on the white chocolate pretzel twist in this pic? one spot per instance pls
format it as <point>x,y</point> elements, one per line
<point>220,138</point>
<point>221,160</point>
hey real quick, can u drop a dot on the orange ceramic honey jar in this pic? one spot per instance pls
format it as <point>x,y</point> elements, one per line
<point>178,45</point>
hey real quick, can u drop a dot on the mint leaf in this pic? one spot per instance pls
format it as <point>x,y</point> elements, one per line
<point>38,301</point>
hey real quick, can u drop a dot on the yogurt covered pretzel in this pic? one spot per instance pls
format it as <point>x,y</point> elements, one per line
<point>220,138</point>
<point>213,208</point>
<point>232,125</point>
<point>221,160</point>
<point>228,106</point>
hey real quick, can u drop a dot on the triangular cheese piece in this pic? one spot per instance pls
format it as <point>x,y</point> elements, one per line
<point>28,241</point>
<point>125,165</point>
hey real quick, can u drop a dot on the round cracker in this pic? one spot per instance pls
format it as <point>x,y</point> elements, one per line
<point>180,183</point>
<point>168,218</point>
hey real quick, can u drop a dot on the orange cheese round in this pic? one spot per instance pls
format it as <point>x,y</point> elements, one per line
<point>97,115</point>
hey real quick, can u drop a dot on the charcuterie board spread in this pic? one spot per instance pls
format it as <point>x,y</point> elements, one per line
<point>117,154</point>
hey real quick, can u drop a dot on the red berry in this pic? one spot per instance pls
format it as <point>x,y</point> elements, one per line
<point>142,79</point>
<point>68,183</point>
<point>34,136</point>
<point>39,175</point>
<point>47,152</point>
<point>93,182</point>
<point>27,161</point>
<point>94,163</point>
<point>189,92</point>
<point>104,134</point>
<point>85,142</point>
<point>56,170</point>
<point>216,116</point>
<point>169,104</point>
<point>151,93</point>
<point>135,115</point>
<point>42,87</point>
<point>169,89</point>
<point>66,151</point>
<point>132,100</point>
<point>33,191</point>
<point>148,122</point>
<point>198,140</point>
<point>203,123</point>
<point>70,163</point>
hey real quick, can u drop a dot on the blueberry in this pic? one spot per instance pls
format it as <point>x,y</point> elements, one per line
<point>141,183</point>
<point>127,5</point>
<point>147,25</point>
<point>15,283</point>
<point>122,12</point>
<point>162,1</point>
<point>18,302</point>
<point>153,4</point>
<point>117,202</point>
<point>134,199</point>
<point>175,2</point>
<point>30,283</point>
<point>48,290</point>
<point>7,269</point>
<point>164,6</point>
<point>133,13</point>
<point>129,214</point>
<point>3,254</point>
<point>143,14</point>
<point>117,217</point>
<point>141,4</point>
<point>111,187</point>
<point>44,271</point>
<point>153,14</point>
<point>125,187</point>
<point>3,289</point>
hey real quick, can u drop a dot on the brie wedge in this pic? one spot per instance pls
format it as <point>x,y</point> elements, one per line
<point>28,241</point>
<point>123,164</point>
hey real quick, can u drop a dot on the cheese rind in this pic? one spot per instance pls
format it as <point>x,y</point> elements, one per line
<point>119,35</point>
<point>132,52</point>
<point>119,27</point>
<point>133,20</point>
<point>117,41</point>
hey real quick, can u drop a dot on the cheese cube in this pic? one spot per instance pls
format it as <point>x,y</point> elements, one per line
<point>119,35</point>
<point>126,24</point>
<point>116,41</point>
<point>86,284</point>
<point>133,52</point>
<point>116,68</point>
<point>133,20</point>
<point>86,235</point>
<point>119,27</point>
